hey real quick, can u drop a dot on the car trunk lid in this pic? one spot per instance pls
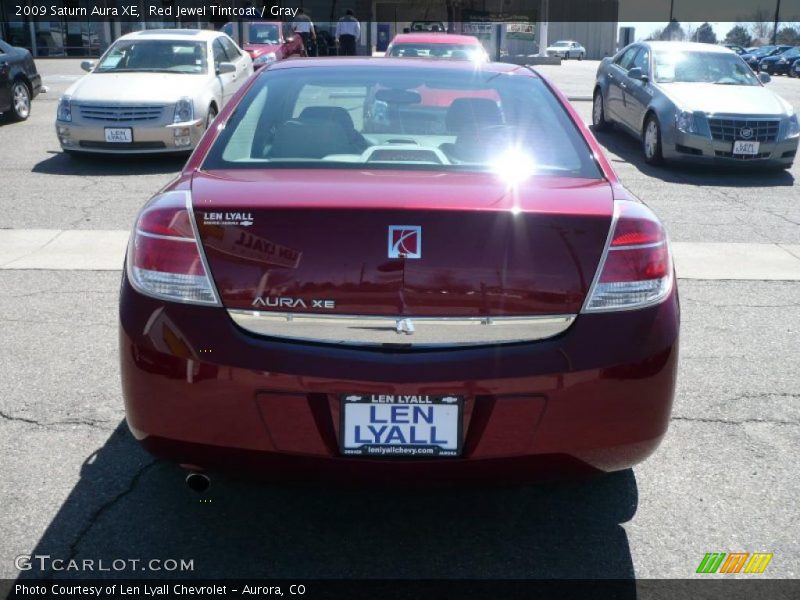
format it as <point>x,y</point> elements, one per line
<point>401,243</point>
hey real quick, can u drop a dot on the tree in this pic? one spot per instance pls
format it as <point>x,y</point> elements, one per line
<point>761,23</point>
<point>789,36</point>
<point>655,35</point>
<point>705,34</point>
<point>672,32</point>
<point>739,36</point>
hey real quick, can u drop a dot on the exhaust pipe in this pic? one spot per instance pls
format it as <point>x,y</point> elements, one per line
<point>198,482</point>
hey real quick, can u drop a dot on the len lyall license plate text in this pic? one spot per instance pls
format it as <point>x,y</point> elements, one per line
<point>744,147</point>
<point>119,135</point>
<point>401,425</point>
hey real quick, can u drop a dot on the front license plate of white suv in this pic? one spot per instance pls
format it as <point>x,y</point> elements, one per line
<point>747,148</point>
<point>399,425</point>
<point>119,135</point>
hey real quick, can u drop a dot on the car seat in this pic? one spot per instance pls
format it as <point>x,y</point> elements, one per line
<point>473,121</point>
<point>339,116</point>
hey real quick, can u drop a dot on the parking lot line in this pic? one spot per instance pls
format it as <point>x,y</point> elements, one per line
<point>59,250</point>
<point>710,260</point>
<point>104,250</point>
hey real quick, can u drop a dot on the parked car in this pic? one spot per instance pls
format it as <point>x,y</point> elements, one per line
<point>151,91</point>
<point>694,102</point>
<point>437,45</point>
<point>566,50</point>
<point>753,59</point>
<point>20,82</point>
<point>333,291</point>
<point>267,41</point>
<point>780,64</point>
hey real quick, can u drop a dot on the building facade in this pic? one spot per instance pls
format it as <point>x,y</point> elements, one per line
<point>515,30</point>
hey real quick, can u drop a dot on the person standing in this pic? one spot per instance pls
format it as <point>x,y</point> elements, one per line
<point>305,28</point>
<point>348,30</point>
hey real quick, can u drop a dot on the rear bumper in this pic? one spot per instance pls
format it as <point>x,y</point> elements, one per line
<point>200,391</point>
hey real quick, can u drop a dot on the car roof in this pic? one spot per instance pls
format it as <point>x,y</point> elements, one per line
<point>199,35</point>
<point>435,38</point>
<point>399,63</point>
<point>689,47</point>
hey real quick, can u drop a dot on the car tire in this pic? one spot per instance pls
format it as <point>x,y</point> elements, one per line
<point>580,56</point>
<point>651,141</point>
<point>20,101</point>
<point>599,122</point>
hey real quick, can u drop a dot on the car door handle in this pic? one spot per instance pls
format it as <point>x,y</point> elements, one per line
<point>623,85</point>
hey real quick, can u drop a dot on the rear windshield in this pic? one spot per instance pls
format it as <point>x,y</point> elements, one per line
<point>454,51</point>
<point>395,118</point>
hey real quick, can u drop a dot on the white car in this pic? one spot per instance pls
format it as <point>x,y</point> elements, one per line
<point>566,50</point>
<point>151,91</point>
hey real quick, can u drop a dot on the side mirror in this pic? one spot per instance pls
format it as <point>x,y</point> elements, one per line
<point>225,67</point>
<point>636,73</point>
<point>764,77</point>
<point>87,65</point>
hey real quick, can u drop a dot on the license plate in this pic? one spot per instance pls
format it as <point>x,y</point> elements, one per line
<point>119,135</point>
<point>743,147</point>
<point>399,425</point>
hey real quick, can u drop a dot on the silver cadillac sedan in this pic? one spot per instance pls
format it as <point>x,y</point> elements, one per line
<point>694,102</point>
<point>151,91</point>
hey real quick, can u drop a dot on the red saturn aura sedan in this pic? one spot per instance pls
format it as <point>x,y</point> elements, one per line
<point>344,276</point>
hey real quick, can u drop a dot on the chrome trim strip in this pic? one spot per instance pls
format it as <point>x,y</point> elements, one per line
<point>417,332</point>
<point>603,258</point>
<point>638,246</point>
<point>158,236</point>
<point>201,249</point>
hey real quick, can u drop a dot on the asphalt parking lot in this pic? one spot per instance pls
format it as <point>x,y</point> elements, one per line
<point>74,483</point>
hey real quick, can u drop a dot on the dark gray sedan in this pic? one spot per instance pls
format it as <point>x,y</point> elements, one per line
<point>694,102</point>
<point>19,82</point>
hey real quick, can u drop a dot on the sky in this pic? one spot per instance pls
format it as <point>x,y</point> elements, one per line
<point>646,28</point>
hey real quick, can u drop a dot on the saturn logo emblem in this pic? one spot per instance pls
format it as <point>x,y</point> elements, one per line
<point>405,241</point>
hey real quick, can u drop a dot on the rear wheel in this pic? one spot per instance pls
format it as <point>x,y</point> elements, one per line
<point>20,101</point>
<point>651,141</point>
<point>599,122</point>
<point>580,56</point>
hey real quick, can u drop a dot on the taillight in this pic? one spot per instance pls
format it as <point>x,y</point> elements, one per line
<point>164,256</point>
<point>636,268</point>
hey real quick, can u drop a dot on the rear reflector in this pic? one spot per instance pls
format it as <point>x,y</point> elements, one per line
<point>636,268</point>
<point>164,258</point>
